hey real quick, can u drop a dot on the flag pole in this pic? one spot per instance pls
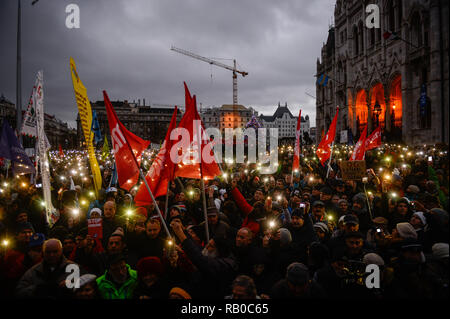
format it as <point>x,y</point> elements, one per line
<point>148,188</point>
<point>154,200</point>
<point>332,144</point>
<point>167,201</point>
<point>202,183</point>
<point>329,161</point>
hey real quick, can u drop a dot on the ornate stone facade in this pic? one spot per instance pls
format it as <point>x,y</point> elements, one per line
<point>378,79</point>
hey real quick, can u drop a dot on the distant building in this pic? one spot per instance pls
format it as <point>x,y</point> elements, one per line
<point>57,131</point>
<point>7,111</point>
<point>312,135</point>
<point>378,78</point>
<point>227,116</point>
<point>285,122</point>
<point>149,122</point>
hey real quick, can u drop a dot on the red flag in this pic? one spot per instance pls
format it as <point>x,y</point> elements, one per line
<point>188,163</point>
<point>123,142</point>
<point>61,153</point>
<point>296,162</point>
<point>324,150</point>
<point>360,150</point>
<point>161,171</point>
<point>374,140</point>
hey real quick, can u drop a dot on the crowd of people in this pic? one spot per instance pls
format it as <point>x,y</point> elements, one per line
<point>280,236</point>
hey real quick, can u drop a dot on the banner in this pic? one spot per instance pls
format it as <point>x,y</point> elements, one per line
<point>324,149</point>
<point>10,148</point>
<point>189,167</point>
<point>105,149</point>
<point>374,140</point>
<point>95,228</point>
<point>43,147</point>
<point>353,170</point>
<point>29,121</point>
<point>359,151</point>
<point>161,171</point>
<point>296,161</point>
<point>85,111</point>
<point>127,148</point>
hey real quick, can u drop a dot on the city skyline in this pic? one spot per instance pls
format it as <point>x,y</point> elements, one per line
<point>124,48</point>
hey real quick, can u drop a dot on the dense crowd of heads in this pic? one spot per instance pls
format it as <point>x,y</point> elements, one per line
<point>281,236</point>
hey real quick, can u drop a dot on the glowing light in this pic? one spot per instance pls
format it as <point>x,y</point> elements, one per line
<point>75,211</point>
<point>279,197</point>
<point>393,194</point>
<point>225,175</point>
<point>271,224</point>
<point>170,242</point>
<point>5,242</point>
<point>91,194</point>
<point>129,212</point>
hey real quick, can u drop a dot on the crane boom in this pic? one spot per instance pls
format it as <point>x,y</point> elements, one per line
<point>210,61</point>
<point>199,57</point>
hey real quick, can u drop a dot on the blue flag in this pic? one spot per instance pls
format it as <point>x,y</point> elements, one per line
<point>320,79</point>
<point>95,127</point>
<point>11,149</point>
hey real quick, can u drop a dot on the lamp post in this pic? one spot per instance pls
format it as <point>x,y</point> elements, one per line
<point>19,70</point>
<point>377,111</point>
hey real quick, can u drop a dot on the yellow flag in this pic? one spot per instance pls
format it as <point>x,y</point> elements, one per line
<point>84,109</point>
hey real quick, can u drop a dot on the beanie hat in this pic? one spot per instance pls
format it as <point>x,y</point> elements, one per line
<point>149,265</point>
<point>22,226</point>
<point>297,274</point>
<point>342,201</point>
<point>413,189</point>
<point>421,217</point>
<point>85,279</point>
<point>285,236</point>
<point>115,258</point>
<point>141,211</point>
<point>326,190</point>
<point>406,231</point>
<point>118,232</point>
<point>373,258</point>
<point>95,209</point>
<point>36,240</point>
<point>440,250</point>
<point>180,292</point>
<point>321,226</point>
<point>212,211</point>
<point>351,219</point>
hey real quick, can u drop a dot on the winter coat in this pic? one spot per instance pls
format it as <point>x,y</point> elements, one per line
<point>109,290</point>
<point>41,282</point>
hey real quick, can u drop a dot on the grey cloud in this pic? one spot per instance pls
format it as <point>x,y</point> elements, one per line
<point>124,48</point>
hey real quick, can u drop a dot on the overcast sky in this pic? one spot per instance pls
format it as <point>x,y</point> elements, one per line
<point>123,47</point>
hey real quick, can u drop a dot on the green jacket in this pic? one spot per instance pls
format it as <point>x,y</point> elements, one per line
<point>109,291</point>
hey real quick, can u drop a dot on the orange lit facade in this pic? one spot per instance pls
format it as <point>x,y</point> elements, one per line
<point>401,86</point>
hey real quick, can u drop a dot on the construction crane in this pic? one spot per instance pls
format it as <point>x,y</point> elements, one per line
<point>233,68</point>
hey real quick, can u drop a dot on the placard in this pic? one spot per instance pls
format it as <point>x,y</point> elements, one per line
<point>353,170</point>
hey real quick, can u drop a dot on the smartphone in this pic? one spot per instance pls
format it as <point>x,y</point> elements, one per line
<point>38,185</point>
<point>430,158</point>
<point>302,205</point>
<point>378,230</point>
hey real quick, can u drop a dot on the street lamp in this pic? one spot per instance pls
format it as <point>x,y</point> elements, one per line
<point>19,71</point>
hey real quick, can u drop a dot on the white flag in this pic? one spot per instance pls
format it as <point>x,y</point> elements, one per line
<point>38,101</point>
